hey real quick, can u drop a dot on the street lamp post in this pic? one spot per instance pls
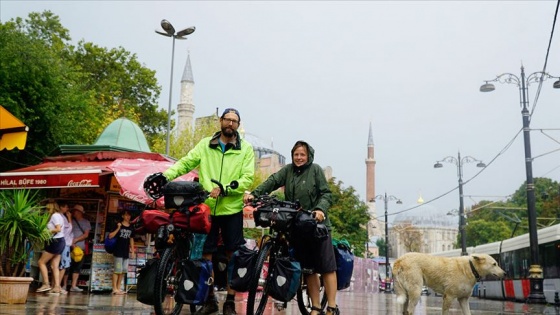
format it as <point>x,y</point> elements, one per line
<point>459,162</point>
<point>170,32</point>
<point>535,271</point>
<point>386,200</point>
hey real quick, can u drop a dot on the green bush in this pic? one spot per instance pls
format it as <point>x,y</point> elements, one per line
<point>23,227</point>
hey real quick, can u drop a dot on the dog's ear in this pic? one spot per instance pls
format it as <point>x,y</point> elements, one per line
<point>477,258</point>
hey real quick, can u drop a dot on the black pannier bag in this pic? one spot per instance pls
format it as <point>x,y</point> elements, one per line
<point>195,282</point>
<point>285,279</point>
<point>146,281</point>
<point>183,194</point>
<point>280,218</point>
<point>240,267</point>
<point>306,229</point>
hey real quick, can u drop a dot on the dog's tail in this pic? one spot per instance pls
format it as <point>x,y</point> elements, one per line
<point>398,279</point>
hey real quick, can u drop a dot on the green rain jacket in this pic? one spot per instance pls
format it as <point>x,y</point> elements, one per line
<point>237,162</point>
<point>306,184</point>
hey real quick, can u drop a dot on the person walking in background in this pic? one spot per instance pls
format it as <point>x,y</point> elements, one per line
<point>305,183</point>
<point>53,249</point>
<point>80,230</point>
<point>123,250</point>
<point>225,157</point>
<point>65,256</point>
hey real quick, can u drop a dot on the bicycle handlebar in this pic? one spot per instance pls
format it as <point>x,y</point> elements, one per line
<point>267,200</point>
<point>224,192</point>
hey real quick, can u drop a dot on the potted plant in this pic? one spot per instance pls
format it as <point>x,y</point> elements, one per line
<point>23,228</point>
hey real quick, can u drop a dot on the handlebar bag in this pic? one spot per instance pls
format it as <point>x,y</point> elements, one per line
<point>279,218</point>
<point>344,263</point>
<point>284,279</point>
<point>196,219</point>
<point>183,194</point>
<point>145,284</point>
<point>240,266</point>
<point>195,281</point>
<point>149,221</point>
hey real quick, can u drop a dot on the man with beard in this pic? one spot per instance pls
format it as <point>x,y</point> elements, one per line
<point>224,157</point>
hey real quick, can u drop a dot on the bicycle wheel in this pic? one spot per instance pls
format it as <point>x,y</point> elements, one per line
<point>257,298</point>
<point>303,299</point>
<point>167,279</point>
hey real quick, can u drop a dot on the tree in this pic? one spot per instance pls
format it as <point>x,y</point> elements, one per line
<point>348,215</point>
<point>483,232</point>
<point>63,85</point>
<point>410,236</point>
<point>494,221</point>
<point>46,94</point>
<point>180,145</point>
<point>547,199</point>
<point>382,246</point>
<point>121,86</point>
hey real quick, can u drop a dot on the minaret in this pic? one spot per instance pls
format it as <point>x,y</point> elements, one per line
<point>374,227</point>
<point>370,168</point>
<point>185,109</point>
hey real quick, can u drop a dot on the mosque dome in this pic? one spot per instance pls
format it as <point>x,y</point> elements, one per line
<point>124,133</point>
<point>261,148</point>
<point>425,216</point>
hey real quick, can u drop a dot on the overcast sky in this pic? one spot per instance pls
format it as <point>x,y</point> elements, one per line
<point>323,71</point>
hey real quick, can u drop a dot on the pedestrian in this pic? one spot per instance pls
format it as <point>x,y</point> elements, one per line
<point>53,249</point>
<point>225,156</point>
<point>305,182</point>
<point>124,249</point>
<point>68,237</point>
<point>80,230</point>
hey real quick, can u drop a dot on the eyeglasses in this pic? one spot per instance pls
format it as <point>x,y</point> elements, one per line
<point>230,121</point>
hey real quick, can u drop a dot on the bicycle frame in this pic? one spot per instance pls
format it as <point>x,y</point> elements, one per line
<point>175,247</point>
<point>273,246</point>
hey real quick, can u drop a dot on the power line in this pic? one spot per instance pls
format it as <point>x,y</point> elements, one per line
<point>545,60</point>
<point>502,151</point>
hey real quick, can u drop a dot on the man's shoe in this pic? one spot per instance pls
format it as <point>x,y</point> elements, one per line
<point>210,307</point>
<point>76,289</point>
<point>229,308</point>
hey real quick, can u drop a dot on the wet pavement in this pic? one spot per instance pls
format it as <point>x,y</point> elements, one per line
<point>350,303</point>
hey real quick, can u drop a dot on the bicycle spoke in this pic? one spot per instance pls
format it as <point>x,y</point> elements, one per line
<point>168,277</point>
<point>258,298</point>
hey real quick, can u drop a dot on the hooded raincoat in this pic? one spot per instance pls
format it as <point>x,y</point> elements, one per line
<point>306,184</point>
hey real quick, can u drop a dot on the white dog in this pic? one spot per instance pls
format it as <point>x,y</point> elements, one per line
<point>454,277</point>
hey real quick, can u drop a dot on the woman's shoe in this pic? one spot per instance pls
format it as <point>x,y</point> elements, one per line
<point>318,310</point>
<point>333,310</point>
<point>44,288</point>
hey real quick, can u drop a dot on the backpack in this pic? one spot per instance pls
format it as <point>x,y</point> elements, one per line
<point>240,266</point>
<point>195,282</point>
<point>146,281</point>
<point>344,263</point>
<point>285,279</point>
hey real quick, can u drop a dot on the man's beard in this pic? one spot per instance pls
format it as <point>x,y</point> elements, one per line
<point>228,132</point>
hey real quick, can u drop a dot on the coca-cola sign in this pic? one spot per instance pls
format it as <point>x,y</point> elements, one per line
<point>49,179</point>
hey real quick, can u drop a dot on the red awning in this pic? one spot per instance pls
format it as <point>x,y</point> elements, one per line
<point>84,170</point>
<point>130,174</point>
<point>56,175</point>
